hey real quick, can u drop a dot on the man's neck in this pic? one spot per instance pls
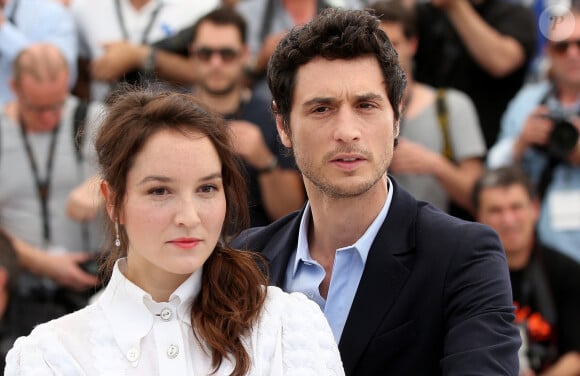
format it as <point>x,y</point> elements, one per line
<point>338,223</point>
<point>11,111</point>
<point>568,94</point>
<point>518,260</point>
<point>138,4</point>
<point>224,104</point>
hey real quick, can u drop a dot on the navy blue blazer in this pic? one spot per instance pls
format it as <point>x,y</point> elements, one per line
<point>434,298</point>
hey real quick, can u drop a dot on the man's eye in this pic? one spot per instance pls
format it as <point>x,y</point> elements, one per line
<point>320,109</point>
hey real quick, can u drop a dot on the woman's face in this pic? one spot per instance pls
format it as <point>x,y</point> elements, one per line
<point>173,210</point>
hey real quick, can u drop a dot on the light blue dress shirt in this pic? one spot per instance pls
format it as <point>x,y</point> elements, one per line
<point>35,21</point>
<point>304,274</point>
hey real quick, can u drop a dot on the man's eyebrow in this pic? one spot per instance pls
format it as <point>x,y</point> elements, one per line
<point>369,96</point>
<point>359,97</point>
<point>319,100</point>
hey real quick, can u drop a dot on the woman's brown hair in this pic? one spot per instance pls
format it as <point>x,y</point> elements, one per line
<point>232,292</point>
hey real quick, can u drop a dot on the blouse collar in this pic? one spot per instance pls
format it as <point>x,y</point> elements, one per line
<point>131,311</point>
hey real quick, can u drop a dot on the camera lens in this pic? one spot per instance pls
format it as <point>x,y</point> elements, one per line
<point>563,139</point>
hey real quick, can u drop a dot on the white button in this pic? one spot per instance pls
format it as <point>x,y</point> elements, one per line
<point>165,314</point>
<point>172,351</point>
<point>133,354</point>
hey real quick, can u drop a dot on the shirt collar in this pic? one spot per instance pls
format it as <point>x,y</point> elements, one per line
<point>125,305</point>
<point>362,245</point>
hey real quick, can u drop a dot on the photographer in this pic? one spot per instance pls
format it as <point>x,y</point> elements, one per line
<point>539,132</point>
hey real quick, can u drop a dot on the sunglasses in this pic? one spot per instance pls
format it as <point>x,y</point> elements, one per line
<point>226,54</point>
<point>562,47</point>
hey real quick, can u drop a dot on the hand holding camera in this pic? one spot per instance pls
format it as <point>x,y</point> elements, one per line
<point>551,131</point>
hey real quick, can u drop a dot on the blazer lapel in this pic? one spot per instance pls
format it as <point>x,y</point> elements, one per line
<point>383,278</point>
<point>279,249</point>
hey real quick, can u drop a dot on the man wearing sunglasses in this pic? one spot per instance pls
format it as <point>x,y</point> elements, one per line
<point>539,131</point>
<point>219,53</point>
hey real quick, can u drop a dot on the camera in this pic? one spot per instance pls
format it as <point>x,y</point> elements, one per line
<point>563,138</point>
<point>90,266</point>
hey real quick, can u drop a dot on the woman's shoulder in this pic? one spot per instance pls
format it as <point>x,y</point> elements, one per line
<point>55,344</point>
<point>290,305</point>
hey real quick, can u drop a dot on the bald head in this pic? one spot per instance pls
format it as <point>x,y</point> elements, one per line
<point>43,62</point>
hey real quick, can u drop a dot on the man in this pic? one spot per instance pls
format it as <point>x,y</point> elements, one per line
<point>115,37</point>
<point>269,21</point>
<point>23,22</point>
<point>39,167</point>
<point>545,283</point>
<point>539,132</point>
<point>441,149</point>
<point>481,47</point>
<point>220,53</point>
<point>407,289</point>
<point>9,270</point>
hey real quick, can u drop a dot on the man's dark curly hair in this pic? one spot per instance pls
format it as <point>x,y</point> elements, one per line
<point>334,34</point>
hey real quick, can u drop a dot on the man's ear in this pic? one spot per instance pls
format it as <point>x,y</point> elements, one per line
<point>397,128</point>
<point>284,137</point>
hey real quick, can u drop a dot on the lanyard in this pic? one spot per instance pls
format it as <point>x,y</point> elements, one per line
<point>12,15</point>
<point>42,185</point>
<point>123,27</point>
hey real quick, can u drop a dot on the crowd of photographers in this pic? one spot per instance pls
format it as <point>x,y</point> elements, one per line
<point>473,87</point>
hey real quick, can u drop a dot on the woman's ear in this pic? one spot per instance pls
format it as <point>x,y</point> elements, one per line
<point>109,198</point>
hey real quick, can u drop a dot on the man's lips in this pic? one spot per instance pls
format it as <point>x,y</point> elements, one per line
<point>348,160</point>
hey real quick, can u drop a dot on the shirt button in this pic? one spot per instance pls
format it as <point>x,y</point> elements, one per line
<point>165,314</point>
<point>133,354</point>
<point>172,351</point>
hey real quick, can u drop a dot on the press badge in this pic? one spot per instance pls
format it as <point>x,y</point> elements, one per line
<point>565,210</point>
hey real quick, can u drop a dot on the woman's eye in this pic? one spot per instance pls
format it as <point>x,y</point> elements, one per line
<point>158,191</point>
<point>208,188</point>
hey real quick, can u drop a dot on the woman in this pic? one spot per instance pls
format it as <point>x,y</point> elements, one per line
<point>179,300</point>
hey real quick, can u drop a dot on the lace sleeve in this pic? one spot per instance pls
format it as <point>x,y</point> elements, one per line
<point>40,353</point>
<point>307,341</point>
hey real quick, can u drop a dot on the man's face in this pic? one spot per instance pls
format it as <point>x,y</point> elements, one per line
<point>564,52</point>
<point>512,214</point>
<point>220,57</point>
<point>342,125</point>
<point>406,47</point>
<point>40,103</point>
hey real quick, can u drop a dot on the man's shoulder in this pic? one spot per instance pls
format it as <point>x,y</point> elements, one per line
<point>257,109</point>
<point>432,219</point>
<point>256,238</point>
<point>558,264</point>
<point>528,97</point>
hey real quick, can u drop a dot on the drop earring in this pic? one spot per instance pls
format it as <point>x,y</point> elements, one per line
<point>117,240</point>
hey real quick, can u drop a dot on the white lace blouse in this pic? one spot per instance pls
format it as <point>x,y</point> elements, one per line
<point>125,332</point>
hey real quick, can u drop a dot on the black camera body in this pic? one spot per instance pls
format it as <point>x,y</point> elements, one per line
<point>563,138</point>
